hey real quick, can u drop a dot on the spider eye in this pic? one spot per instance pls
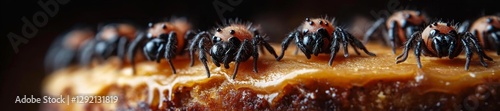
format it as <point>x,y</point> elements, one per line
<point>408,16</point>
<point>433,32</point>
<point>489,20</point>
<point>418,13</point>
<point>150,25</point>
<point>164,26</point>
<point>216,39</point>
<point>231,32</point>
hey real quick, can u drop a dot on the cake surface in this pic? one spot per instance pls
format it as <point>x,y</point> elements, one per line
<point>358,82</point>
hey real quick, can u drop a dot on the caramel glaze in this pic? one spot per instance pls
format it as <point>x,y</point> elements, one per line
<point>357,82</point>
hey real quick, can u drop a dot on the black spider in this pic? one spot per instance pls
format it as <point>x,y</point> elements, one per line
<point>399,26</point>
<point>112,39</point>
<point>487,30</point>
<point>67,48</point>
<point>319,35</point>
<point>235,42</point>
<point>440,40</point>
<point>164,40</point>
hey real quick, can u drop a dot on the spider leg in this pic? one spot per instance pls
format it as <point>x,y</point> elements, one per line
<point>187,38</point>
<point>201,54</point>
<point>122,45</point>
<point>302,47</point>
<point>410,29</point>
<point>214,57</point>
<point>145,52</point>
<point>189,35</point>
<point>452,49</point>
<point>170,49</point>
<point>132,49</point>
<point>437,48</point>
<point>392,35</point>
<point>172,66</point>
<point>320,36</point>
<point>286,42</point>
<point>194,43</point>
<point>478,48</point>
<point>385,37</point>
<point>356,43</point>
<point>49,63</point>
<point>241,55</point>
<point>86,53</point>
<point>372,29</point>
<point>255,54</point>
<point>468,53</point>
<point>344,38</point>
<point>296,51</point>
<point>334,48</point>
<point>495,35</point>
<point>161,51</point>
<point>417,52</point>
<point>269,48</point>
<point>355,49</point>
<point>261,49</point>
<point>318,45</point>
<point>103,50</point>
<point>216,61</point>
<point>464,26</point>
<point>63,58</point>
<point>409,44</point>
<point>229,54</point>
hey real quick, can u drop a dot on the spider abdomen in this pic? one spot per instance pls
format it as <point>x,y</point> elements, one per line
<point>440,40</point>
<point>483,28</point>
<point>235,42</point>
<point>404,18</point>
<point>238,30</point>
<point>318,35</point>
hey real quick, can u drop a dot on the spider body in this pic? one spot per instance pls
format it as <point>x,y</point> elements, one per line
<point>399,26</point>
<point>319,35</point>
<point>163,40</point>
<point>235,42</point>
<point>68,48</point>
<point>487,30</point>
<point>112,39</point>
<point>440,40</point>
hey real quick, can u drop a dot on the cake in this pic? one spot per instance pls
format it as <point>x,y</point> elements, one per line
<point>358,82</point>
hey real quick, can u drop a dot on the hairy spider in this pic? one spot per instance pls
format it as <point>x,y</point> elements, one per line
<point>399,26</point>
<point>112,39</point>
<point>319,35</point>
<point>235,41</point>
<point>441,39</point>
<point>67,48</point>
<point>487,30</point>
<point>163,40</point>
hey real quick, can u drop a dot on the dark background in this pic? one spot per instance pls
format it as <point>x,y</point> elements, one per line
<point>22,72</point>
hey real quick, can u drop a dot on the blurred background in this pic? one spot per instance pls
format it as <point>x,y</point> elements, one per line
<point>22,72</point>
